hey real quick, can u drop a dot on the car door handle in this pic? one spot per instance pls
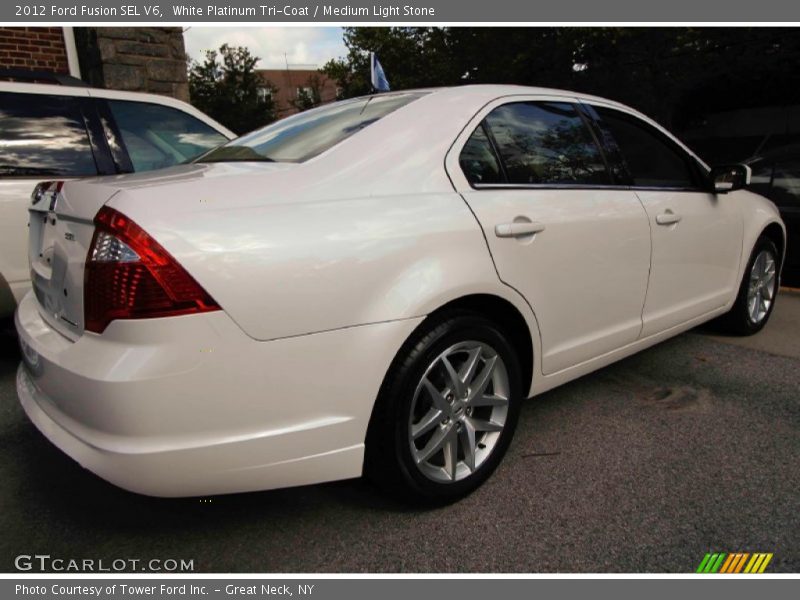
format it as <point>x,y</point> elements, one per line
<point>507,230</point>
<point>667,218</point>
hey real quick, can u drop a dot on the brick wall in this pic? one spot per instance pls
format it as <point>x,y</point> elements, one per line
<point>286,82</point>
<point>35,48</point>
<point>139,59</point>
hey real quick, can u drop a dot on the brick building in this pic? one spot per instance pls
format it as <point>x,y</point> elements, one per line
<point>140,59</point>
<point>39,49</point>
<point>290,85</point>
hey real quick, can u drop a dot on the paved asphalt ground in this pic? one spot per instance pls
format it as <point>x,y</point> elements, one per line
<point>689,447</point>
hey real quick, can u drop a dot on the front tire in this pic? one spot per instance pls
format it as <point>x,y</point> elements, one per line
<point>447,410</point>
<point>757,291</point>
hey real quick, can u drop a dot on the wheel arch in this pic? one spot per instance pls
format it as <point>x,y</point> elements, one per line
<point>514,318</point>
<point>523,332</point>
<point>506,316</point>
<point>760,218</point>
<point>776,234</point>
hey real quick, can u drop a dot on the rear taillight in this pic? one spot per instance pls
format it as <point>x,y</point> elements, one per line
<point>130,276</point>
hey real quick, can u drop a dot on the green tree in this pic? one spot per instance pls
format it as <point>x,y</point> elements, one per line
<point>411,56</point>
<point>672,74</point>
<point>226,87</point>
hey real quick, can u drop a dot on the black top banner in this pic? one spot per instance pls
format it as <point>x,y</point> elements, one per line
<point>405,11</point>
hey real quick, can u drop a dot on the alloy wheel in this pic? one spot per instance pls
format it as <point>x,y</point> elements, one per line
<point>458,412</point>
<point>761,287</point>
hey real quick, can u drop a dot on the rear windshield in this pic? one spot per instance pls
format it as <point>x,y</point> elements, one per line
<point>307,134</point>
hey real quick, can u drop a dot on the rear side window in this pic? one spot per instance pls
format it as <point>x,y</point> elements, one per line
<point>307,134</point>
<point>652,160</point>
<point>546,143</point>
<point>43,136</point>
<point>160,136</point>
<point>478,160</point>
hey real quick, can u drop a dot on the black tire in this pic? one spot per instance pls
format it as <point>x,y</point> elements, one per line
<point>738,320</point>
<point>389,462</point>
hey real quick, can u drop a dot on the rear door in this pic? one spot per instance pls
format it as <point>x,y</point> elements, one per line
<point>696,235</point>
<point>561,230</point>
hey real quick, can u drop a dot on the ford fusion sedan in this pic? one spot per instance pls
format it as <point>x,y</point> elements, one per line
<point>373,287</point>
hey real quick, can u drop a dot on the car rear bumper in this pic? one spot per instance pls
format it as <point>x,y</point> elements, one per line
<point>188,406</point>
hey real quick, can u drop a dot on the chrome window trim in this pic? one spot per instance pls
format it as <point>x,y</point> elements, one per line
<point>577,186</point>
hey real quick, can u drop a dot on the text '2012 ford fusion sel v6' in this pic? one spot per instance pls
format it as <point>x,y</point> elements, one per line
<point>374,286</point>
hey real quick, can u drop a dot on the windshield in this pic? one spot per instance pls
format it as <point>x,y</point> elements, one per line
<point>307,134</point>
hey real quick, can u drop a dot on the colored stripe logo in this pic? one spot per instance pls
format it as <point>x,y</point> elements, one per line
<point>736,562</point>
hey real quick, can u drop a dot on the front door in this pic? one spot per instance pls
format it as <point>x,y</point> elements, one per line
<point>696,235</point>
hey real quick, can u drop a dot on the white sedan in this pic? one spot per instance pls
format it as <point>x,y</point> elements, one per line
<point>374,286</point>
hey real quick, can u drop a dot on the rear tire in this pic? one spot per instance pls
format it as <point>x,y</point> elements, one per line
<point>446,412</point>
<point>757,291</point>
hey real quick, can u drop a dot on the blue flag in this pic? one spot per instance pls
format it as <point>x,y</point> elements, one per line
<point>378,77</point>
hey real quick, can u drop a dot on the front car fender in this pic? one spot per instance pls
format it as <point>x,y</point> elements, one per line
<point>758,213</point>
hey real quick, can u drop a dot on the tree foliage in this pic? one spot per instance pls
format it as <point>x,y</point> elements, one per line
<point>226,86</point>
<point>672,74</point>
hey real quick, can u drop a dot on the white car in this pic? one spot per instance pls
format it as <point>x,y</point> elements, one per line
<point>373,286</point>
<point>71,130</point>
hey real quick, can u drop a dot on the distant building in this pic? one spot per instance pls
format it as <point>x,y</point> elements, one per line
<point>294,87</point>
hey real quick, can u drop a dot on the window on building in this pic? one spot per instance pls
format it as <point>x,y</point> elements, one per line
<point>264,94</point>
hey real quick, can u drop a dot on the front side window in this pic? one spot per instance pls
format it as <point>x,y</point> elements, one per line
<point>43,136</point>
<point>307,134</point>
<point>546,143</point>
<point>160,136</point>
<point>651,159</point>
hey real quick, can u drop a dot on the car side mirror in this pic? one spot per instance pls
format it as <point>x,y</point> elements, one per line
<point>728,178</point>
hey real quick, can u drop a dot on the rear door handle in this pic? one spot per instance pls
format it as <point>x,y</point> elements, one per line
<point>507,230</point>
<point>667,218</point>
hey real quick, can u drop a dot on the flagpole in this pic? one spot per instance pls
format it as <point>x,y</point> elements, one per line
<point>372,72</point>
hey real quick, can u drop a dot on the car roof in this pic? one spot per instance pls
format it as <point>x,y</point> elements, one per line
<point>491,91</point>
<point>92,92</point>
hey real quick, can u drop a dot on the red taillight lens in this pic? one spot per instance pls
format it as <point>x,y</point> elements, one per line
<point>130,276</point>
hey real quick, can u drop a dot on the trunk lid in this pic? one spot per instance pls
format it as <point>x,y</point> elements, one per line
<point>61,230</point>
<point>62,225</point>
